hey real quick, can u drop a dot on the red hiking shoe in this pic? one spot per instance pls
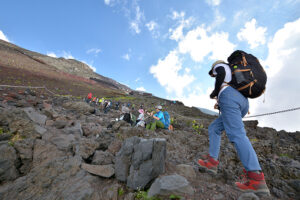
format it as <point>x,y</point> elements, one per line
<point>210,165</point>
<point>253,182</point>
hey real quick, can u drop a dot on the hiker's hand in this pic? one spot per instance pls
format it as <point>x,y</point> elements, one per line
<point>213,95</point>
<point>216,106</point>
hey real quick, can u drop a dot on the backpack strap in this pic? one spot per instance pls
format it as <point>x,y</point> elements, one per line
<point>241,70</point>
<point>245,63</point>
<point>248,85</point>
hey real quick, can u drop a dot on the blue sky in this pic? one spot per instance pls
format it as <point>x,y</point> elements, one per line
<point>166,47</point>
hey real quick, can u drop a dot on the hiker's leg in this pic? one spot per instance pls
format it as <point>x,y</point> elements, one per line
<point>159,124</point>
<point>153,125</point>
<point>148,126</point>
<point>215,130</point>
<point>233,106</point>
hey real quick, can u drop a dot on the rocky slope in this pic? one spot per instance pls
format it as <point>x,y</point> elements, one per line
<point>54,147</point>
<point>31,63</point>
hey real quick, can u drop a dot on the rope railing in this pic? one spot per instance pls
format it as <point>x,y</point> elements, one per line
<point>30,87</point>
<point>273,113</point>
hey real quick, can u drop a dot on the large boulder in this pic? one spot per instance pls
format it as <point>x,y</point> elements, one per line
<point>25,152</point>
<point>87,147</point>
<point>103,158</point>
<point>61,178</point>
<point>18,122</point>
<point>171,185</point>
<point>79,107</point>
<point>35,116</point>
<point>8,162</point>
<point>140,161</point>
<point>105,171</point>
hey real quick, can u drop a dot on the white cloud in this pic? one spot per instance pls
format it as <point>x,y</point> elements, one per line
<point>255,36</point>
<point>213,2</point>
<point>93,51</point>
<point>283,83</point>
<point>177,15</point>
<point>107,2</point>
<point>141,89</point>
<point>126,57</point>
<point>151,25</point>
<point>177,33</point>
<point>136,23</point>
<point>198,98</point>
<point>138,79</point>
<point>219,19</point>
<point>67,55</point>
<point>90,66</point>
<point>198,44</point>
<point>153,28</point>
<point>3,37</point>
<point>167,70</point>
<point>51,54</point>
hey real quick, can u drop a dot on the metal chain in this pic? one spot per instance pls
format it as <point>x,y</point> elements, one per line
<point>272,113</point>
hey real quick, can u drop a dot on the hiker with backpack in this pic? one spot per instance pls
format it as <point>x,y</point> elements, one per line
<point>241,78</point>
<point>89,97</point>
<point>107,107</point>
<point>158,117</point>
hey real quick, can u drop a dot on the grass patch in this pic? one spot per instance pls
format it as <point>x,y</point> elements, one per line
<point>143,195</point>
<point>15,138</point>
<point>285,155</point>
<point>1,131</point>
<point>175,197</point>
<point>253,140</point>
<point>197,127</point>
<point>120,192</point>
<point>127,98</point>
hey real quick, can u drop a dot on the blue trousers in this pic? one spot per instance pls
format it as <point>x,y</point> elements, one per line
<point>234,106</point>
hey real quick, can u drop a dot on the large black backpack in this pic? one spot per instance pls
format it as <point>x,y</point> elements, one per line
<point>248,76</point>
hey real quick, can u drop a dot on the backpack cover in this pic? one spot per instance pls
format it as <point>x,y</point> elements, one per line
<point>167,119</point>
<point>248,76</point>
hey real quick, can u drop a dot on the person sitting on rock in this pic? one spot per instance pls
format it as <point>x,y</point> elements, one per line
<point>233,106</point>
<point>141,118</point>
<point>126,114</point>
<point>158,117</point>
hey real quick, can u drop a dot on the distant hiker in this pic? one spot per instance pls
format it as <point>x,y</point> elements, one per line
<point>117,107</point>
<point>141,118</point>
<point>126,114</point>
<point>142,106</point>
<point>132,119</point>
<point>102,102</point>
<point>107,107</point>
<point>93,102</point>
<point>233,106</point>
<point>89,97</point>
<point>159,119</point>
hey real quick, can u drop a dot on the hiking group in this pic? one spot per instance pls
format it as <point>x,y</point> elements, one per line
<point>240,78</point>
<point>149,120</point>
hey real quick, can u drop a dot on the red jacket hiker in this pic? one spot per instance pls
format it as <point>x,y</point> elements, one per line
<point>89,96</point>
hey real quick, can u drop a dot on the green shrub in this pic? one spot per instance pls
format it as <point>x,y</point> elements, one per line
<point>143,195</point>
<point>197,127</point>
<point>120,192</point>
<point>175,197</point>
